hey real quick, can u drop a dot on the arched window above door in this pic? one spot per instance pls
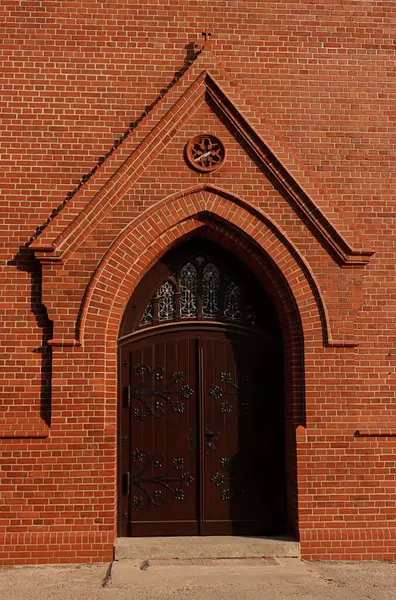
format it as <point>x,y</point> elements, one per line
<point>199,281</point>
<point>200,290</point>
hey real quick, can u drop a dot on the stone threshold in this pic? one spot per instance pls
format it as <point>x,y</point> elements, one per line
<point>205,547</point>
<point>212,562</point>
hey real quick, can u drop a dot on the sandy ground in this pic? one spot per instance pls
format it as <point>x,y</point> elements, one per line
<point>289,579</point>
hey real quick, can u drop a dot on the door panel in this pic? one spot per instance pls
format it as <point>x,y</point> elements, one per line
<point>241,479</point>
<point>201,435</point>
<point>162,426</point>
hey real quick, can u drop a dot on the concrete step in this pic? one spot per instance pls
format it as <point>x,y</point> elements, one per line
<point>205,547</point>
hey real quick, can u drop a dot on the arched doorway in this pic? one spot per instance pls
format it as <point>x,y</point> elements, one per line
<point>201,423</point>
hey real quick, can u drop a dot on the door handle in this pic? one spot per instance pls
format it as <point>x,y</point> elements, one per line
<point>210,437</point>
<point>210,433</point>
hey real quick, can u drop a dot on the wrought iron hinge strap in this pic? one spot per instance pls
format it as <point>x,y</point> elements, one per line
<point>127,483</point>
<point>127,396</point>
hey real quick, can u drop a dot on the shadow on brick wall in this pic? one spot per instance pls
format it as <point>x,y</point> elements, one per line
<point>25,261</point>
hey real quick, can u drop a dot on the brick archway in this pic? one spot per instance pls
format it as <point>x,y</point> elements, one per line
<point>256,241</point>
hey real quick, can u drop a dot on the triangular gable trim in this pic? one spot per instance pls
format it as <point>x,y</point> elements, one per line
<point>325,229</point>
<point>273,161</point>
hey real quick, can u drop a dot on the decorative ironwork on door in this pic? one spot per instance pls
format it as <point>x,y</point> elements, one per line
<point>228,390</point>
<point>173,478</point>
<point>175,397</point>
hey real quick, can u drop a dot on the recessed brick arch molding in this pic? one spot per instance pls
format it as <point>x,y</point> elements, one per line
<point>204,225</point>
<point>277,289</point>
<point>144,240</point>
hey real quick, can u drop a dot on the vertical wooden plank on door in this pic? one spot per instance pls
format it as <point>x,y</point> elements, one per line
<point>206,358</point>
<point>123,441</point>
<point>137,416</point>
<point>220,434</point>
<point>186,433</point>
<point>201,434</point>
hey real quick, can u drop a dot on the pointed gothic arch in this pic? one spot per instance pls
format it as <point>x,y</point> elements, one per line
<point>255,240</point>
<point>145,239</point>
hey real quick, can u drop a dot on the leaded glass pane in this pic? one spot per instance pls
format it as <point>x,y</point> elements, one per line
<point>232,302</point>
<point>166,301</point>
<point>147,317</point>
<point>210,291</point>
<point>188,291</point>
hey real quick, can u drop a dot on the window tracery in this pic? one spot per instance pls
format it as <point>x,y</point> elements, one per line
<point>148,317</point>
<point>232,302</point>
<point>166,301</point>
<point>202,289</point>
<point>188,291</point>
<point>210,291</point>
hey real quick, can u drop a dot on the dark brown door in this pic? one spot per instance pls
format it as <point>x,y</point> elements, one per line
<point>201,435</point>
<point>201,405</point>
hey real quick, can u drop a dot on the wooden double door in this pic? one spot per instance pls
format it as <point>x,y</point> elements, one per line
<point>200,433</point>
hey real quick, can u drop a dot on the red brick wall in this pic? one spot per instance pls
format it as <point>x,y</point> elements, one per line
<point>76,74</point>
